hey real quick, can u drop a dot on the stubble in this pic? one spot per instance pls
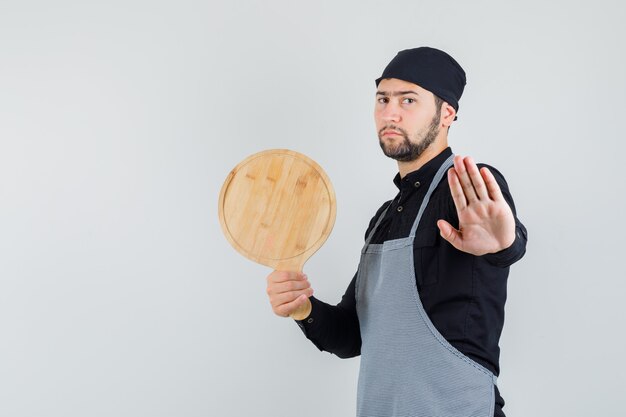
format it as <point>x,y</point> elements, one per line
<point>408,150</point>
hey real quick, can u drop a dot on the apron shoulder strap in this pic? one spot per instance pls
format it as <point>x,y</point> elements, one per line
<point>438,177</point>
<point>380,219</point>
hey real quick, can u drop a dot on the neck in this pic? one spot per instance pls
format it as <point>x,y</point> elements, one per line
<point>429,153</point>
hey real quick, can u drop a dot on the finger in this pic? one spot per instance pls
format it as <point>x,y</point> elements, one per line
<point>283,276</point>
<point>286,309</point>
<point>492,185</point>
<point>464,179</point>
<point>477,180</point>
<point>450,234</point>
<point>281,287</point>
<point>287,297</point>
<point>456,190</point>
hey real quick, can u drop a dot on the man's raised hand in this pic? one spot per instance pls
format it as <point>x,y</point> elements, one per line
<point>486,222</point>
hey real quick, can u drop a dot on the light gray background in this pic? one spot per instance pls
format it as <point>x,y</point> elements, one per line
<point>120,120</point>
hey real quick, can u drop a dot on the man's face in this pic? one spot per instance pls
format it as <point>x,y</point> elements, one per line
<point>407,120</point>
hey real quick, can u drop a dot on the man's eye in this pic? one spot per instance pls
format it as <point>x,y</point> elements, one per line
<point>383,100</point>
<point>408,101</point>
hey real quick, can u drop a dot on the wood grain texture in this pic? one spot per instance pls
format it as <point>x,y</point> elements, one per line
<point>277,208</point>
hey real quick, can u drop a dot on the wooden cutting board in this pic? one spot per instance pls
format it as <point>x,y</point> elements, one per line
<point>277,208</point>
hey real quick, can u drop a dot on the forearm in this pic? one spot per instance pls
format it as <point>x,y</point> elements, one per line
<point>334,329</point>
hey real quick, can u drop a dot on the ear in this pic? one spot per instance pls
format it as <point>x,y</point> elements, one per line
<point>448,114</point>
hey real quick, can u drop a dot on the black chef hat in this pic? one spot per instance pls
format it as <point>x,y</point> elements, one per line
<point>430,68</point>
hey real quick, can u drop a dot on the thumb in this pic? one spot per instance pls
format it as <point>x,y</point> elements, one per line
<point>449,233</point>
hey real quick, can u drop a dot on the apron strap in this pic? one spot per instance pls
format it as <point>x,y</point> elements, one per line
<point>380,219</point>
<point>438,177</point>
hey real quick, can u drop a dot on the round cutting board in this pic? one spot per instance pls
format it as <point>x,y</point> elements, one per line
<point>277,208</point>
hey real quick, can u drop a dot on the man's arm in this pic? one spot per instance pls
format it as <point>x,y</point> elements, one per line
<point>333,329</point>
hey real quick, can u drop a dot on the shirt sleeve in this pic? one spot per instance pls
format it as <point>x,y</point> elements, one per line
<point>334,329</point>
<point>516,251</point>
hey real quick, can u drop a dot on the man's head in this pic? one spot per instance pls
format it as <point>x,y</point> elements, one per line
<point>418,94</point>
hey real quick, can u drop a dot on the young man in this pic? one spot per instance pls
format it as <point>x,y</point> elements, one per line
<point>425,309</point>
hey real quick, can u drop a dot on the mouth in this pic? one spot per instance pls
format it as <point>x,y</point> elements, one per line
<point>391,133</point>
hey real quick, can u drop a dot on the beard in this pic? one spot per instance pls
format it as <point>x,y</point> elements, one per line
<point>407,150</point>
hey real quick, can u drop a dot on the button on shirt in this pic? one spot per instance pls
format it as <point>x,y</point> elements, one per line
<point>463,294</point>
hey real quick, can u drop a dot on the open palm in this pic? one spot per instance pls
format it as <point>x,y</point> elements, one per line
<point>486,222</point>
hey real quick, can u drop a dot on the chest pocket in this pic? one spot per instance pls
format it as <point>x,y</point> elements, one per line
<point>426,256</point>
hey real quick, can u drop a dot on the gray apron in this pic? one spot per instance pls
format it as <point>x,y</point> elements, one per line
<point>407,368</point>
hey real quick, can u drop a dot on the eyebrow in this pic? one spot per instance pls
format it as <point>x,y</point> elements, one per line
<point>396,93</point>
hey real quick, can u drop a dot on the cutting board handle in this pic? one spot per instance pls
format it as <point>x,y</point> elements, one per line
<point>303,311</point>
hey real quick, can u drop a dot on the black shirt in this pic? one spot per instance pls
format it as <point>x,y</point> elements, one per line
<point>463,294</point>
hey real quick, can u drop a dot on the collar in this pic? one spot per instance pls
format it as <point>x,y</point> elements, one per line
<point>425,174</point>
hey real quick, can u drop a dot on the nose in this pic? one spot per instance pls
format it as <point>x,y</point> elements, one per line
<point>390,113</point>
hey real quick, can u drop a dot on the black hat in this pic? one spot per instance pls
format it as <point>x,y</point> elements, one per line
<point>430,68</point>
